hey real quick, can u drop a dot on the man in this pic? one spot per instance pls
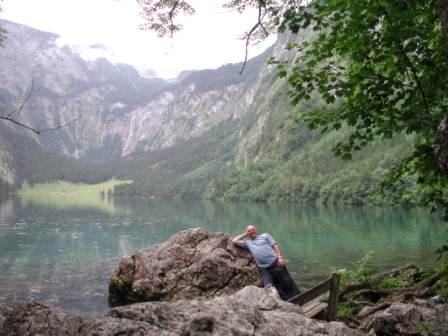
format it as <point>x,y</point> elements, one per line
<point>269,260</point>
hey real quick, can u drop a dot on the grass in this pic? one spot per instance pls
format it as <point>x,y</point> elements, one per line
<point>63,187</point>
<point>65,195</point>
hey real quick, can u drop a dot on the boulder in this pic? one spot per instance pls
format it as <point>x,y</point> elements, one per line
<point>24,318</point>
<point>191,264</point>
<point>441,319</point>
<point>250,311</point>
<point>401,319</point>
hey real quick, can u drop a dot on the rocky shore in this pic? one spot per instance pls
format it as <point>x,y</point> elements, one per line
<point>250,311</point>
<point>404,301</point>
<point>198,283</point>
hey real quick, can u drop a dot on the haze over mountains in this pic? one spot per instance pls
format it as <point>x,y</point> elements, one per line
<point>212,133</point>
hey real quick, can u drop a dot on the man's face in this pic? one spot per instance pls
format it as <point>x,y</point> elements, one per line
<point>251,231</point>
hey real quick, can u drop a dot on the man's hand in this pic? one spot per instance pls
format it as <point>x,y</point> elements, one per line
<point>281,261</point>
<point>239,240</point>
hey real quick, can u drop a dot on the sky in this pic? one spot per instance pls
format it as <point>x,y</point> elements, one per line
<point>209,39</point>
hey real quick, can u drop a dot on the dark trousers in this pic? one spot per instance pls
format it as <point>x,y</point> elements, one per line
<point>279,277</point>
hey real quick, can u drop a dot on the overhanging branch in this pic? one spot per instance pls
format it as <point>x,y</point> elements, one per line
<point>37,130</point>
<point>259,24</point>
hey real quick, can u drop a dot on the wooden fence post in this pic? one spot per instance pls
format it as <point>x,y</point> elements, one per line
<point>334,296</point>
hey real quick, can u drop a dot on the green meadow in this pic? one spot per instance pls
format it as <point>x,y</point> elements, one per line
<point>65,195</point>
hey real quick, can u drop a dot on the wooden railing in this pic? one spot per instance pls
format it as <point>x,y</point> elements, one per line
<point>332,285</point>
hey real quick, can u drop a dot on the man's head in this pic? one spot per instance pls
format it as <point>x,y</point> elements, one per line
<point>251,231</point>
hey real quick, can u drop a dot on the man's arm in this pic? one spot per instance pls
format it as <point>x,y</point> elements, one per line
<point>281,260</point>
<point>239,240</point>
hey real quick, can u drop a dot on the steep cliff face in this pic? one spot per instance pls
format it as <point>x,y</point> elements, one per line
<point>67,87</point>
<point>118,111</point>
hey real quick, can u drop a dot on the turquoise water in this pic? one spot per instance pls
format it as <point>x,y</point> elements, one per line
<point>64,253</point>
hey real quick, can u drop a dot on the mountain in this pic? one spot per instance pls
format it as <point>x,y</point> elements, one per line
<point>118,109</point>
<point>211,133</point>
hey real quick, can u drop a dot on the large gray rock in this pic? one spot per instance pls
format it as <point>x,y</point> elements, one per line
<point>193,263</point>
<point>251,311</point>
<point>402,319</point>
<point>25,318</point>
<point>441,319</point>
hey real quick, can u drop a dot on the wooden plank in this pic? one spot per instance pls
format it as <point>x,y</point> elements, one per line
<point>312,293</point>
<point>310,305</point>
<point>316,310</point>
<point>334,295</point>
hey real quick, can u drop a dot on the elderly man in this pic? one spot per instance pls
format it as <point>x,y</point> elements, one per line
<point>269,260</point>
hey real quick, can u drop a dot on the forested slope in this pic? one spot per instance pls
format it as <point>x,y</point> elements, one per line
<point>269,156</point>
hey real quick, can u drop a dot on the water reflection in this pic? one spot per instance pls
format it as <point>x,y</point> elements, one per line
<point>64,253</point>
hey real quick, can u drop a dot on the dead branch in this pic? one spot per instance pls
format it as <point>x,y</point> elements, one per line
<point>429,281</point>
<point>351,288</point>
<point>261,14</point>
<point>10,115</point>
<point>353,319</point>
<point>353,302</point>
<point>425,292</point>
<point>19,108</point>
<point>36,130</point>
<point>373,309</point>
<point>376,294</point>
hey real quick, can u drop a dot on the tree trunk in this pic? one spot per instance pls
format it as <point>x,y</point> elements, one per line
<point>442,145</point>
<point>442,130</point>
<point>443,14</point>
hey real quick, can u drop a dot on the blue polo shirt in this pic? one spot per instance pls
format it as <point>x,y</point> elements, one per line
<point>262,250</point>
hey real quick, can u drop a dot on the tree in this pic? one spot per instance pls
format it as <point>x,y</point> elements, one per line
<point>381,67</point>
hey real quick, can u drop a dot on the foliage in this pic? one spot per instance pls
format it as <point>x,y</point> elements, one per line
<point>345,309</point>
<point>183,170</point>
<point>381,67</point>
<point>35,165</point>
<point>442,284</point>
<point>390,282</point>
<point>359,273</point>
<point>425,328</point>
<point>161,15</point>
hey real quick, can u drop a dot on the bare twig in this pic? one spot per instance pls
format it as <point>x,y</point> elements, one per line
<point>351,288</point>
<point>171,14</point>
<point>10,115</point>
<point>353,319</point>
<point>24,101</point>
<point>429,281</point>
<point>259,24</point>
<point>374,309</point>
<point>36,130</point>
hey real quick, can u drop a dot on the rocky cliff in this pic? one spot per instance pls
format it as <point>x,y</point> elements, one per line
<point>119,111</point>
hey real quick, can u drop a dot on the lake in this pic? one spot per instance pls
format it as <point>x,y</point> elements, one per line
<point>62,251</point>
